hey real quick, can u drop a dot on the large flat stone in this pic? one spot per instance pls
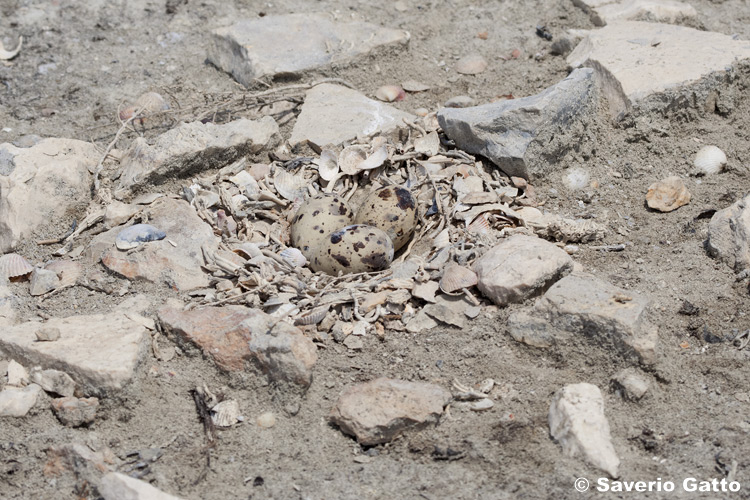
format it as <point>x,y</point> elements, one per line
<point>43,183</point>
<point>191,148</point>
<point>333,114</point>
<point>526,137</point>
<point>729,235</point>
<point>603,12</point>
<point>293,43</point>
<point>582,307</point>
<point>100,352</point>
<point>657,66</point>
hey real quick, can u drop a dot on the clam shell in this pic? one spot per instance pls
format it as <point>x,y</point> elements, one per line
<point>248,250</point>
<point>480,225</point>
<point>350,158</point>
<point>456,277</point>
<point>289,186</point>
<point>375,160</point>
<point>133,236</point>
<point>471,64</point>
<point>442,240</point>
<point>6,55</point>
<point>328,167</point>
<point>414,86</point>
<point>293,256</point>
<point>225,413</point>
<point>13,265</point>
<point>710,160</point>
<point>313,317</point>
<point>151,102</point>
<point>67,271</point>
<point>429,144</point>
<point>390,93</point>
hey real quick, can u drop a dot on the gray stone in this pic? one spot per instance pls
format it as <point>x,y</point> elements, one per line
<point>40,184</point>
<point>729,235</point>
<point>580,306</point>
<point>294,43</point>
<point>630,384</point>
<point>378,411</point>
<point>75,412</point>
<point>420,321</point>
<point>43,281</point>
<point>53,381</point>
<point>654,67</point>
<point>448,310</point>
<point>577,422</point>
<point>17,401</point>
<point>100,352</point>
<point>333,114</point>
<point>118,213</point>
<point>117,486</point>
<point>17,374</point>
<point>603,12</point>
<point>191,148</point>
<point>526,137</point>
<point>520,267</point>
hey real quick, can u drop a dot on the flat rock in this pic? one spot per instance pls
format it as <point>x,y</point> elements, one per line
<point>526,137</point>
<point>75,412</point>
<point>234,335</point>
<point>333,114</point>
<point>43,183</point>
<point>577,422</point>
<point>729,235</point>
<point>378,411</point>
<point>520,267</point>
<point>582,307</point>
<point>178,265</point>
<point>667,194</point>
<point>54,381</point>
<point>43,281</point>
<point>117,486</point>
<point>191,148</point>
<point>448,310</point>
<point>294,43</point>
<point>17,401</point>
<point>655,66</point>
<point>603,12</point>
<point>100,352</point>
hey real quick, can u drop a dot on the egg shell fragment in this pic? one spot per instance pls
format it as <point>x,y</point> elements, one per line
<point>392,209</point>
<point>353,249</point>
<point>318,217</point>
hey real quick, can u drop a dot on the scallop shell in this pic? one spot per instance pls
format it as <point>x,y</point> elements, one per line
<point>13,265</point>
<point>133,236</point>
<point>225,414</point>
<point>67,271</point>
<point>456,277</point>
<point>710,160</point>
<point>480,225</point>
<point>293,256</point>
<point>313,317</point>
<point>350,158</point>
<point>328,166</point>
<point>289,186</point>
<point>390,93</point>
<point>375,160</point>
<point>442,240</point>
<point>151,102</point>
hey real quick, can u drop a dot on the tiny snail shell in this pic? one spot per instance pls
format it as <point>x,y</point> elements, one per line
<point>710,160</point>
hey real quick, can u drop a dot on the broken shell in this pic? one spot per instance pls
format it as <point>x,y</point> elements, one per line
<point>313,317</point>
<point>13,265</point>
<point>328,166</point>
<point>481,405</point>
<point>353,249</point>
<point>486,385</point>
<point>390,93</point>
<point>480,225</point>
<point>442,240</point>
<point>456,277</point>
<point>392,209</point>
<point>293,256</point>
<point>6,55</point>
<point>289,186</point>
<point>414,86</point>
<point>316,218</point>
<point>375,159</point>
<point>151,102</point>
<point>350,158</point>
<point>429,144</point>
<point>133,236</point>
<point>471,64</point>
<point>248,250</point>
<point>225,414</point>
<point>710,160</point>
<point>667,194</point>
<point>266,420</point>
<point>67,271</point>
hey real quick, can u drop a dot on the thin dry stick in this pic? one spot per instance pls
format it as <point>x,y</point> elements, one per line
<point>123,128</point>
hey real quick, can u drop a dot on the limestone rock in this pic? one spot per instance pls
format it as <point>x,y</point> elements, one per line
<point>7,309</point>
<point>234,335</point>
<point>17,401</point>
<point>654,66</point>
<point>582,307</point>
<point>448,310</point>
<point>525,137</point>
<point>191,148</point>
<point>118,213</point>
<point>17,374</point>
<point>43,281</point>
<point>117,486</point>
<point>577,422</point>
<point>729,235</point>
<point>520,267</point>
<point>630,384</point>
<point>42,183</point>
<point>603,12</point>
<point>75,412</point>
<point>100,351</point>
<point>378,411</point>
<point>667,194</point>
<point>293,43</point>
<point>54,381</point>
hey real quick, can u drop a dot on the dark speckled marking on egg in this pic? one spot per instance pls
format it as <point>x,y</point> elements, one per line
<point>353,249</point>
<point>392,209</point>
<point>316,218</point>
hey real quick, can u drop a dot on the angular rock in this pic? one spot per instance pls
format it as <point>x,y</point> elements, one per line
<point>17,374</point>
<point>235,335</point>
<point>117,486</point>
<point>17,401</point>
<point>580,306</point>
<point>667,194</point>
<point>729,235</point>
<point>75,412</point>
<point>448,310</point>
<point>79,459</point>
<point>333,114</point>
<point>520,267</point>
<point>48,334</point>
<point>293,43</point>
<point>118,213</point>
<point>43,281</point>
<point>42,183</point>
<point>603,12</point>
<point>100,351</point>
<point>630,384</point>
<point>159,261</point>
<point>653,66</point>
<point>526,137</point>
<point>378,411</point>
<point>54,381</point>
<point>191,148</point>
<point>420,321</point>
<point>577,422</point>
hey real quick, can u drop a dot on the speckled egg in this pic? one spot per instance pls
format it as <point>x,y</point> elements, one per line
<point>353,249</point>
<point>318,217</point>
<point>392,209</point>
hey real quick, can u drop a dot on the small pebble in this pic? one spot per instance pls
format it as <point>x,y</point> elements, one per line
<point>48,334</point>
<point>461,101</point>
<point>471,65</point>
<point>266,420</point>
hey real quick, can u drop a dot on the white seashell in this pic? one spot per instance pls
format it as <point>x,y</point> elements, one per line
<point>456,277</point>
<point>429,144</point>
<point>289,186</point>
<point>13,265</point>
<point>266,420</point>
<point>248,250</point>
<point>293,256</point>
<point>328,166</point>
<point>313,317</point>
<point>375,160</point>
<point>399,297</point>
<point>414,86</point>
<point>481,405</point>
<point>576,178</point>
<point>6,55</point>
<point>350,158</point>
<point>242,179</point>
<point>471,64</point>
<point>442,240</point>
<point>225,414</point>
<point>390,93</point>
<point>151,102</point>
<point>360,328</point>
<point>486,385</point>
<point>710,160</point>
<point>480,225</point>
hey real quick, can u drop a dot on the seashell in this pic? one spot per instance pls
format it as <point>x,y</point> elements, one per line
<point>328,167</point>
<point>225,414</point>
<point>442,240</point>
<point>429,144</point>
<point>471,64</point>
<point>375,160</point>
<point>133,236</point>
<point>67,271</point>
<point>390,93</point>
<point>360,328</point>
<point>313,317</point>
<point>350,158</point>
<point>576,178</point>
<point>457,277</point>
<point>151,102</point>
<point>259,171</point>
<point>6,55</point>
<point>414,86</point>
<point>481,405</point>
<point>486,385</point>
<point>248,250</point>
<point>242,179</point>
<point>710,160</point>
<point>400,296</point>
<point>289,186</point>
<point>283,310</point>
<point>293,256</point>
<point>266,420</point>
<point>480,225</point>
<point>13,265</point>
